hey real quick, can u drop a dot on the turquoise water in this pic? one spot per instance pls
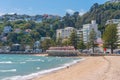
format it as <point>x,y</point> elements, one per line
<point>24,67</point>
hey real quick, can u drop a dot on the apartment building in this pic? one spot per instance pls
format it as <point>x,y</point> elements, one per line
<point>87,29</point>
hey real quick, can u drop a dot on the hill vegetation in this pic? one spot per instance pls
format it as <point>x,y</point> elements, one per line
<point>101,13</point>
<point>46,25</point>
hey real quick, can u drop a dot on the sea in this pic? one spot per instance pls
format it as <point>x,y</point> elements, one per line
<point>27,67</point>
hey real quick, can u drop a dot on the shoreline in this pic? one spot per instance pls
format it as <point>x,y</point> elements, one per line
<point>32,76</point>
<point>91,68</point>
<point>60,68</point>
<point>84,68</point>
<point>54,70</point>
<point>35,54</point>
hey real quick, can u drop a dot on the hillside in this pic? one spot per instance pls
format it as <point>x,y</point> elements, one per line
<point>102,13</point>
<point>25,29</point>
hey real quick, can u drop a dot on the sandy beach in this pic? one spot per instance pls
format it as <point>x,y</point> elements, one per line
<point>92,68</point>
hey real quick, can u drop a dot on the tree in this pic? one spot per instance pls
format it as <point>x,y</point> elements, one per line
<point>35,35</point>
<point>68,20</point>
<point>92,38</point>
<point>81,45</point>
<point>27,40</point>
<point>7,24</point>
<point>110,36</point>
<point>28,26</point>
<point>46,44</point>
<point>73,39</point>
<point>12,37</point>
<point>66,42</point>
<point>59,41</point>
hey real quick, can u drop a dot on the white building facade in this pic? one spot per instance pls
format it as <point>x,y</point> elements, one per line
<point>64,33</point>
<point>80,34</point>
<point>113,21</point>
<point>87,29</point>
<point>118,30</point>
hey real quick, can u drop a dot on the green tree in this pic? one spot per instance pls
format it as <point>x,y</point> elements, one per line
<point>59,41</point>
<point>27,40</point>
<point>81,45</point>
<point>110,36</point>
<point>7,24</point>
<point>92,39</point>
<point>46,44</point>
<point>27,26</point>
<point>73,39</point>
<point>35,35</point>
<point>66,42</point>
<point>53,43</point>
<point>12,37</point>
<point>88,45</point>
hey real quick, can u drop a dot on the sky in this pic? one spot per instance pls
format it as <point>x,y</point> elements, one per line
<point>55,7</point>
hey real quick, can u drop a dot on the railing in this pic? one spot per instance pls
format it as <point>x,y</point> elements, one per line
<point>62,52</point>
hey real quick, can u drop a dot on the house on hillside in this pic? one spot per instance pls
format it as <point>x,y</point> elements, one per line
<point>112,21</point>
<point>17,30</point>
<point>44,38</point>
<point>7,29</point>
<point>27,31</point>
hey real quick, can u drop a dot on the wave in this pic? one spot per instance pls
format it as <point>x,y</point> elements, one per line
<point>11,70</point>
<point>38,68</point>
<point>33,75</point>
<point>22,62</point>
<point>6,62</point>
<point>35,60</point>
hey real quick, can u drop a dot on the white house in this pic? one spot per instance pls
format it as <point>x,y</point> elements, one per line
<point>113,21</point>
<point>44,38</point>
<point>7,29</point>
<point>18,30</point>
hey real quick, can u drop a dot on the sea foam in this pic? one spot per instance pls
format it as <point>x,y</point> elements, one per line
<point>11,70</point>
<point>6,62</point>
<point>35,60</point>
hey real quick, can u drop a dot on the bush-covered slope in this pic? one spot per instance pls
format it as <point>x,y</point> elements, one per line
<point>102,13</point>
